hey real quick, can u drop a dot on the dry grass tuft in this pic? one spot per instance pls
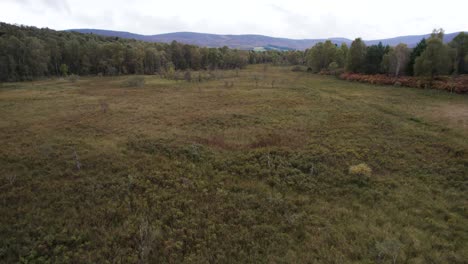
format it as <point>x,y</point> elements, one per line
<point>135,81</point>
<point>361,170</point>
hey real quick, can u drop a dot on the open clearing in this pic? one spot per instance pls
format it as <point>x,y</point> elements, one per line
<point>94,172</point>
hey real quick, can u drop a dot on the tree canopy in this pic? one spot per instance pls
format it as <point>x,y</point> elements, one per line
<point>356,56</point>
<point>435,59</point>
<point>29,52</point>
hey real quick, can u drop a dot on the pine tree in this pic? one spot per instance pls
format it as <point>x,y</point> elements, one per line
<point>417,51</point>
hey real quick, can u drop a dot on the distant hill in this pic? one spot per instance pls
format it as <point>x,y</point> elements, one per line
<point>249,42</point>
<point>411,41</point>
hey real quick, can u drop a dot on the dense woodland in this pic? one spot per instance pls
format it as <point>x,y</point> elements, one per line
<point>28,53</point>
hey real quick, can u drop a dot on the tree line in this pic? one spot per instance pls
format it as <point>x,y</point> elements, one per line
<point>430,57</point>
<point>28,53</point>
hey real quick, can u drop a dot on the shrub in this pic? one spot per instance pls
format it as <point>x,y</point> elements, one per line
<point>360,174</point>
<point>135,81</point>
<point>360,169</point>
<point>458,84</point>
<point>64,69</point>
<point>333,66</point>
<point>73,78</point>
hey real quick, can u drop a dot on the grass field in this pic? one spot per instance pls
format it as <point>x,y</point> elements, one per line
<point>248,168</point>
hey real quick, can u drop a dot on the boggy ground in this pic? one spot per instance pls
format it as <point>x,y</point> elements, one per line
<point>251,167</point>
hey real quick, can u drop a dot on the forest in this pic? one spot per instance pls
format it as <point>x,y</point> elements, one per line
<point>28,53</point>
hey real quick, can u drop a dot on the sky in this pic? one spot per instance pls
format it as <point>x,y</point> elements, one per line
<point>369,19</point>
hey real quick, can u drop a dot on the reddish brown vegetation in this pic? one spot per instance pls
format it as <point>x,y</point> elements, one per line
<point>453,84</point>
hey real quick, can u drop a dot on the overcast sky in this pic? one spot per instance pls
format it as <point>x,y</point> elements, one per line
<point>370,19</point>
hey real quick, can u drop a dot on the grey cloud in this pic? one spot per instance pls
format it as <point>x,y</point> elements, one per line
<point>40,5</point>
<point>58,5</point>
<point>145,24</point>
<point>294,18</point>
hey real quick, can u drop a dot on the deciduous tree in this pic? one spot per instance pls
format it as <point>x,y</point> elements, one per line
<point>460,46</point>
<point>435,60</point>
<point>356,56</point>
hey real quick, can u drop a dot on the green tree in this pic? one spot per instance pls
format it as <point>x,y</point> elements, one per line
<point>35,58</point>
<point>341,54</point>
<point>214,59</point>
<point>10,54</point>
<point>435,60</point>
<point>72,55</point>
<point>374,56</point>
<point>356,56</point>
<point>396,61</point>
<point>29,52</point>
<point>151,61</point>
<point>460,46</point>
<point>295,57</point>
<point>177,56</point>
<point>55,55</point>
<point>416,52</point>
<point>195,58</point>
<point>321,55</point>
<point>64,70</point>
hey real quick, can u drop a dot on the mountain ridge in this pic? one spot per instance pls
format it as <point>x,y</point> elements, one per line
<point>251,41</point>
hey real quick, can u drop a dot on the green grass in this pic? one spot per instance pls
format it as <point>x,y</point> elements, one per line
<point>197,172</point>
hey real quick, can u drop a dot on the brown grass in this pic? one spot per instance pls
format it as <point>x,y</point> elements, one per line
<point>196,172</point>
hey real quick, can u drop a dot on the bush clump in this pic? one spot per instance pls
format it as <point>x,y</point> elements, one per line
<point>458,84</point>
<point>360,174</point>
<point>73,78</point>
<point>360,169</point>
<point>135,81</point>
